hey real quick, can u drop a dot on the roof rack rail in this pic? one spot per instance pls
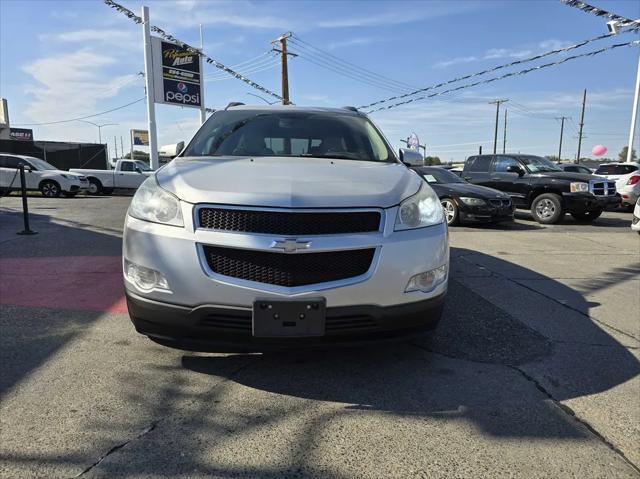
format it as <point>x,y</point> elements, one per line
<point>233,103</point>
<point>351,108</point>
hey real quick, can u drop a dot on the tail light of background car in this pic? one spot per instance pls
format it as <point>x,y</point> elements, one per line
<point>633,180</point>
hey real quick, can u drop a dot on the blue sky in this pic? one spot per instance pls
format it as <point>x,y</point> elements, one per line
<point>63,59</point>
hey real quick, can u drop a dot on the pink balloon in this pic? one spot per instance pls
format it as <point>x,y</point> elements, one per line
<point>599,150</point>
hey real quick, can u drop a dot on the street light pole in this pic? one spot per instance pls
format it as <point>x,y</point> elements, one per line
<point>634,114</point>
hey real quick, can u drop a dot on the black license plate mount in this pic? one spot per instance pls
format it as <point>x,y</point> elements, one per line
<point>289,318</point>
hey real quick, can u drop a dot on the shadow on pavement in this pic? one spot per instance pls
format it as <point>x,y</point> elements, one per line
<point>468,370</point>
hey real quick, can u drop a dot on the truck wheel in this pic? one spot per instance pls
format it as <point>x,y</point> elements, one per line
<point>587,215</point>
<point>50,189</point>
<point>450,211</point>
<point>547,209</point>
<point>95,187</point>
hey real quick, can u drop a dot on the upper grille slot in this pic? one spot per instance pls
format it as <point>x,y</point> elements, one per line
<point>288,223</point>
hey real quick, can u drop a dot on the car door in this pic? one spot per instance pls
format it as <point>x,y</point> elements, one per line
<point>510,182</point>
<point>127,176</point>
<point>476,169</point>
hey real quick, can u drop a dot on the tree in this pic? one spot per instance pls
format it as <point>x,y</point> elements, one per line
<point>622,156</point>
<point>138,155</point>
<point>553,158</point>
<point>432,160</point>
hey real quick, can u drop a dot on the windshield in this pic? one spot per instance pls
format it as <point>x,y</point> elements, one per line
<point>291,134</point>
<point>537,164</point>
<point>615,169</point>
<point>41,164</point>
<point>142,165</point>
<point>439,176</point>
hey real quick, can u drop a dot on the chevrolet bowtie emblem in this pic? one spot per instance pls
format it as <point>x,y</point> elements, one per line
<point>290,245</point>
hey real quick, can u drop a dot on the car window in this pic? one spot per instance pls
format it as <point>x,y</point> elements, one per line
<point>41,164</point>
<point>126,166</point>
<point>501,163</point>
<point>318,134</point>
<point>11,161</point>
<point>478,163</point>
<point>616,169</point>
<point>537,164</point>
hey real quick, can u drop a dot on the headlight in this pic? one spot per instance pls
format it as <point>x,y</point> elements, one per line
<point>472,201</point>
<point>152,203</point>
<point>420,210</point>
<point>579,187</point>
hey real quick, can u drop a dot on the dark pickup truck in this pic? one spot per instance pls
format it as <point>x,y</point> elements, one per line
<point>537,184</point>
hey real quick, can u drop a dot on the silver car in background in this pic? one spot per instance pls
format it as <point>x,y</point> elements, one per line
<point>284,226</point>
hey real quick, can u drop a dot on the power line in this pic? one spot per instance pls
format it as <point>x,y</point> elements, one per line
<point>252,61</point>
<point>398,85</point>
<point>244,68</point>
<point>490,70</point>
<point>256,69</point>
<point>83,117</point>
<point>508,75</point>
<point>129,14</point>
<point>334,69</point>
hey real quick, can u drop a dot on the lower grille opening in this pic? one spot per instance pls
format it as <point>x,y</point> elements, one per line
<point>289,270</point>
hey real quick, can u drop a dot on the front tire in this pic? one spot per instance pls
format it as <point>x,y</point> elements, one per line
<point>95,187</point>
<point>50,189</point>
<point>587,215</point>
<point>547,209</point>
<point>450,211</point>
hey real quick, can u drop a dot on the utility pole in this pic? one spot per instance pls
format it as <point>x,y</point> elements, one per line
<point>121,147</point>
<point>115,144</point>
<point>584,101</point>
<point>562,119</point>
<point>285,69</point>
<point>495,135</point>
<point>504,140</point>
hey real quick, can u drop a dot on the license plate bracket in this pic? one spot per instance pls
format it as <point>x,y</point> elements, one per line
<point>289,318</point>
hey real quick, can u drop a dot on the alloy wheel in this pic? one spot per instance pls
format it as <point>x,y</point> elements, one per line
<point>545,209</point>
<point>449,210</point>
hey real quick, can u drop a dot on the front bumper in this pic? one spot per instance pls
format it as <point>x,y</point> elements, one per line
<point>582,202</point>
<point>177,253</point>
<point>215,328</point>
<point>484,214</point>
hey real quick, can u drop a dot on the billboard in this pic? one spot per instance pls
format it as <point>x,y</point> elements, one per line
<point>140,137</point>
<point>22,134</point>
<point>176,74</point>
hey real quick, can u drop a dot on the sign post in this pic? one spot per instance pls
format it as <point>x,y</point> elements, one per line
<point>149,81</point>
<point>203,109</point>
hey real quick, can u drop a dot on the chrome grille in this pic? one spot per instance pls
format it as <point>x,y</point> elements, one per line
<point>602,187</point>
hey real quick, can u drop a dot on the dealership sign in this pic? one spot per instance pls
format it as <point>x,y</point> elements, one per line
<point>22,134</point>
<point>176,74</point>
<point>140,137</point>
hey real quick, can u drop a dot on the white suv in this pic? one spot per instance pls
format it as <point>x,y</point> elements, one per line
<point>627,178</point>
<point>284,226</point>
<point>39,175</point>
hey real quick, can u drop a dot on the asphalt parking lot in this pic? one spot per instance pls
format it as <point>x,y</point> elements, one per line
<point>534,371</point>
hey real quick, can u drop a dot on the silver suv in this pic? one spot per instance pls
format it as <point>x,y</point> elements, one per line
<point>284,226</point>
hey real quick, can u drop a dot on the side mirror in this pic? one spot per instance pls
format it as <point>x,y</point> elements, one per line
<point>138,170</point>
<point>411,157</point>
<point>28,168</point>
<point>515,169</point>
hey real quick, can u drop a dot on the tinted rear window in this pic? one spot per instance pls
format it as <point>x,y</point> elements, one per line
<point>478,163</point>
<point>616,169</point>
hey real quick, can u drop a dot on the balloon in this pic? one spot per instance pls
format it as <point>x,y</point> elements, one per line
<point>599,150</point>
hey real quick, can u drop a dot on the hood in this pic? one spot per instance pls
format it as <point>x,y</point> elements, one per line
<point>565,175</point>
<point>288,182</point>
<point>467,189</point>
<point>71,174</point>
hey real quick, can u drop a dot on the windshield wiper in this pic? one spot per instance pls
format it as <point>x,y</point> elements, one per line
<point>336,156</point>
